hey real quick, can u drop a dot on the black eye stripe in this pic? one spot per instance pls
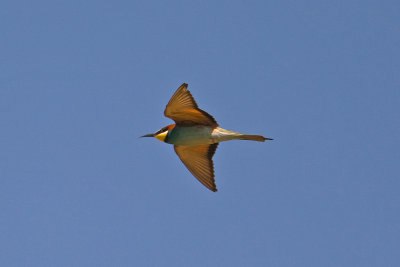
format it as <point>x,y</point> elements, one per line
<point>162,130</point>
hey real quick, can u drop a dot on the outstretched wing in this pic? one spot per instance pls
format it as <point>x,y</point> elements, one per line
<point>198,160</point>
<point>184,111</point>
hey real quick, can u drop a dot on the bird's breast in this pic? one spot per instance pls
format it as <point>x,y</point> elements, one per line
<point>191,135</point>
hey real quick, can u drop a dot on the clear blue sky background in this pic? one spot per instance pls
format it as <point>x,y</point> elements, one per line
<point>81,80</point>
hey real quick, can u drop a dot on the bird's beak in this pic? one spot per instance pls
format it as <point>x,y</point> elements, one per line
<point>148,135</point>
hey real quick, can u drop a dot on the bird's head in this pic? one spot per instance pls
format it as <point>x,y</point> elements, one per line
<point>162,133</point>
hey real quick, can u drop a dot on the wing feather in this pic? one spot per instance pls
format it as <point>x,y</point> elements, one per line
<point>198,160</point>
<point>183,109</point>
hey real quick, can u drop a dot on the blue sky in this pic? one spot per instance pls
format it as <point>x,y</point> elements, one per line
<point>80,81</point>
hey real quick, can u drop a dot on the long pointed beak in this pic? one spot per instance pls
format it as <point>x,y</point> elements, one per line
<point>148,135</point>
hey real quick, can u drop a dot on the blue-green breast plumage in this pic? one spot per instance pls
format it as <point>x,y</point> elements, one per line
<point>191,135</point>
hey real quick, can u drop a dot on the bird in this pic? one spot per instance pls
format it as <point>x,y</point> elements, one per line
<point>196,135</point>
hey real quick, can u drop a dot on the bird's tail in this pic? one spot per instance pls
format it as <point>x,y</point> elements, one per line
<point>220,135</point>
<point>258,138</point>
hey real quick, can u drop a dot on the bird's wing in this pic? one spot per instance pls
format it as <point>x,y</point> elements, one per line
<point>184,111</point>
<point>198,159</point>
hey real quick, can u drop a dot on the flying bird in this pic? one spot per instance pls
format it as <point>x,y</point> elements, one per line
<point>195,135</point>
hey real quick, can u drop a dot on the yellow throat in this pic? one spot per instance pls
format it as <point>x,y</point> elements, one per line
<point>161,136</point>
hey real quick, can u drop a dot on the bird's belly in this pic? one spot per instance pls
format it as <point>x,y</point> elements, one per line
<point>191,136</point>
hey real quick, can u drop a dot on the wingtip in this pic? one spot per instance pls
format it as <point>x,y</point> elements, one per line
<point>211,187</point>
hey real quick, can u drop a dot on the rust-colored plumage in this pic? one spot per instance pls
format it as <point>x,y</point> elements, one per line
<point>184,110</point>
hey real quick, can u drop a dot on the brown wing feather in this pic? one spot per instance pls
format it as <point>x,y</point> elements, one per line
<point>198,160</point>
<point>184,110</point>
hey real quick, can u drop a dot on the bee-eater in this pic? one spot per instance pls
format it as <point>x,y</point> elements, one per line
<point>195,135</point>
